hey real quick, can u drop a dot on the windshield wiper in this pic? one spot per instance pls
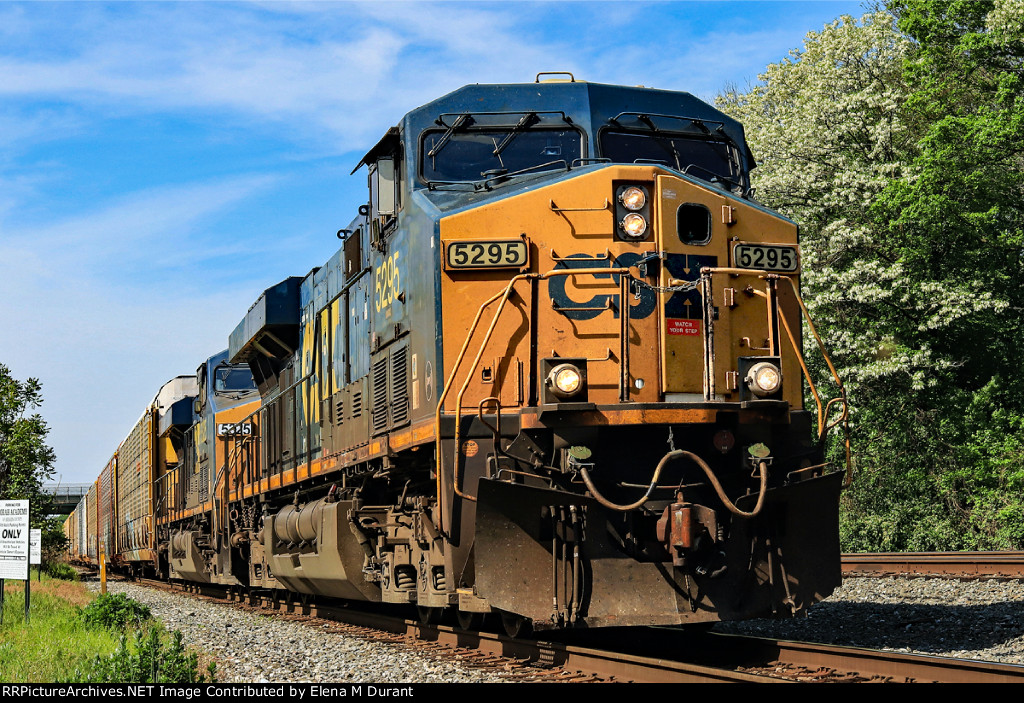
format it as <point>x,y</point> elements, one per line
<point>666,143</point>
<point>524,123</point>
<point>715,176</point>
<point>462,121</point>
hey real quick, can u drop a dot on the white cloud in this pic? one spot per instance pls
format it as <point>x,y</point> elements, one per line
<point>80,309</point>
<point>348,71</point>
<point>148,228</point>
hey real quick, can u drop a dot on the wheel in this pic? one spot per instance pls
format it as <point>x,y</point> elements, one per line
<point>428,615</point>
<point>516,625</point>
<point>469,621</point>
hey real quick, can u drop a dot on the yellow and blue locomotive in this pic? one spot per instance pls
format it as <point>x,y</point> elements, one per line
<point>553,372</point>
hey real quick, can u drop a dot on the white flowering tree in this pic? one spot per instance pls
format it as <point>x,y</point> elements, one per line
<point>912,255</point>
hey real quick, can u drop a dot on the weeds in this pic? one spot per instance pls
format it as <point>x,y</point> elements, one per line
<point>56,639</point>
<point>150,657</point>
<point>110,640</point>
<point>60,570</point>
<point>115,611</point>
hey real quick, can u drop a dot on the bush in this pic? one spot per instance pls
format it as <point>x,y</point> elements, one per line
<point>149,658</point>
<point>115,611</point>
<point>60,570</point>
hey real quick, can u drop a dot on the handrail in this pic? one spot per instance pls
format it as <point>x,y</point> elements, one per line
<point>843,419</point>
<point>451,379</point>
<point>503,295</point>
<point>807,375</point>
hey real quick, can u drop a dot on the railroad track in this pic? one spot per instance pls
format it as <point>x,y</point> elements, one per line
<point>946,564</point>
<point>634,654</point>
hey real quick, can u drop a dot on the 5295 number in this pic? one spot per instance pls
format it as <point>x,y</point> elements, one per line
<point>507,253</point>
<point>386,282</point>
<point>766,257</point>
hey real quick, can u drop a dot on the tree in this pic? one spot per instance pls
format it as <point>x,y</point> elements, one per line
<point>962,216</point>
<point>853,144</point>
<point>25,459</point>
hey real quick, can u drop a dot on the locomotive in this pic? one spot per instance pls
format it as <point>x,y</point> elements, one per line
<point>554,372</point>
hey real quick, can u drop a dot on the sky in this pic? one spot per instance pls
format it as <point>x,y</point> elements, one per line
<point>161,164</point>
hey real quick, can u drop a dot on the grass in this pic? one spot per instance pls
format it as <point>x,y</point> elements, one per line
<point>56,640</point>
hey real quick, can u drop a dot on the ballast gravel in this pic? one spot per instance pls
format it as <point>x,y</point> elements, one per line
<point>966,619</point>
<point>252,648</point>
<point>982,619</point>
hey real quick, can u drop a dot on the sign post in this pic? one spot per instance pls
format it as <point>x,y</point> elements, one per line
<point>34,557</point>
<point>35,551</point>
<point>14,544</point>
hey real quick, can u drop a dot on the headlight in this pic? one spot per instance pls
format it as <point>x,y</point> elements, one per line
<point>565,380</point>
<point>633,225</point>
<point>763,379</point>
<point>633,198</point>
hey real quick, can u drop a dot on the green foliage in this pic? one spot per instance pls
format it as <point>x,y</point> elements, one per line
<point>55,543</point>
<point>25,459</point>
<point>60,570</point>
<point>60,644</point>
<point>115,611</point>
<point>897,142</point>
<point>148,657</point>
<point>56,640</point>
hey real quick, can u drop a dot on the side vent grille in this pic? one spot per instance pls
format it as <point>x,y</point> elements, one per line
<point>380,395</point>
<point>204,482</point>
<point>357,405</point>
<point>399,387</point>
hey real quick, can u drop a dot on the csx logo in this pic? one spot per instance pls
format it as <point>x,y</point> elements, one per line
<point>642,299</point>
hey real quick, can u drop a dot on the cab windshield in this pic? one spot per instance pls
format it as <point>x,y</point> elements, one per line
<point>707,159</point>
<point>469,155</point>
<point>233,379</point>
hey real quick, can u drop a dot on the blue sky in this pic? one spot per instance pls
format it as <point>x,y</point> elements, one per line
<point>163,163</point>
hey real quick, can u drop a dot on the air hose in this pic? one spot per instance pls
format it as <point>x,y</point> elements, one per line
<point>762,468</point>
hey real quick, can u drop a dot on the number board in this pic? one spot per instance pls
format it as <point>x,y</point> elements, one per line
<point>486,254</point>
<point>784,258</point>
<point>227,429</point>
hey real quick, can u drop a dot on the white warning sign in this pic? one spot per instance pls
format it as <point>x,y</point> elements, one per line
<point>35,547</point>
<point>14,539</point>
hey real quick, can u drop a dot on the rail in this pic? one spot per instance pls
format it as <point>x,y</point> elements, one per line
<point>964,565</point>
<point>638,655</point>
